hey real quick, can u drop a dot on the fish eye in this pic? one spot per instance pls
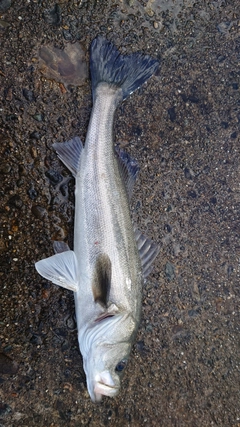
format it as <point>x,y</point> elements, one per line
<point>120,366</point>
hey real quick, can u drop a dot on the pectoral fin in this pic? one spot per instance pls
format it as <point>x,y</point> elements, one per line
<point>102,279</point>
<point>148,250</point>
<point>60,269</point>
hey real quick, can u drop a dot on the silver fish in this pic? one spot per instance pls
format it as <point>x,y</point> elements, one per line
<point>110,257</point>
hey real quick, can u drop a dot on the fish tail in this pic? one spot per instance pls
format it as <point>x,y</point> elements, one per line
<point>126,71</point>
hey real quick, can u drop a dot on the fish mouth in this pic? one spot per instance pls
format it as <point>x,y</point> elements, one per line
<point>101,389</point>
<point>103,385</point>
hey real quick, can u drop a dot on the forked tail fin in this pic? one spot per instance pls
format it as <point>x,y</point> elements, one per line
<point>126,71</point>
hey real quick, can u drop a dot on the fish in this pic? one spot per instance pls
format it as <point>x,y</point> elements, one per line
<point>110,257</point>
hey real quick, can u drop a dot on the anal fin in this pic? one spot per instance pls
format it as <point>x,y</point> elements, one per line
<point>128,168</point>
<point>148,251</point>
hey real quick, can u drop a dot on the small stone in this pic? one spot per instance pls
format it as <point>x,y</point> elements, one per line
<point>192,194</point>
<point>35,339</point>
<point>234,135</point>
<point>54,177</point>
<point>11,117</point>
<point>170,271</point>
<point>64,190</point>
<point>230,270</point>
<point>4,409</point>
<point>193,99</point>
<point>22,170</point>
<point>8,94</point>
<point>28,94</point>
<point>2,245</point>
<point>38,117</point>
<point>224,27</point>
<point>140,347</point>
<point>32,193</point>
<point>53,16</point>
<point>35,135</point>
<point>176,329</point>
<point>150,12</point>
<point>16,202</point>
<point>5,168</point>
<point>34,153</point>
<point>4,24</point>
<point>71,323</point>
<point>224,125</point>
<point>213,200</point>
<point>61,120</point>
<point>188,173</point>
<point>7,365</point>
<point>4,5</point>
<point>65,345</point>
<point>172,114</point>
<point>193,313</point>
<point>167,228</point>
<point>14,228</point>
<point>67,35</point>
<point>38,211</point>
<point>59,234</point>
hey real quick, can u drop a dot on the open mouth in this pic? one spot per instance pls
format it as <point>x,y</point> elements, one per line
<point>104,316</point>
<point>102,389</point>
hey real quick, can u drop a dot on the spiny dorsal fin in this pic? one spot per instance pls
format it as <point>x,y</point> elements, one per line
<point>148,250</point>
<point>102,279</point>
<point>69,152</point>
<point>128,169</point>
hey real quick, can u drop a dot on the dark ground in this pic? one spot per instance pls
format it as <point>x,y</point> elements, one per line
<point>183,128</point>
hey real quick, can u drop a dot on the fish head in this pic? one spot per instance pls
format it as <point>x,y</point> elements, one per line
<point>106,348</point>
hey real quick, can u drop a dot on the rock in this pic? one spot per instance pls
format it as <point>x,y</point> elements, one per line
<point>4,409</point>
<point>53,16</point>
<point>172,114</point>
<point>39,212</point>
<point>16,201</point>
<point>4,5</point>
<point>170,271</point>
<point>32,193</point>
<point>54,177</point>
<point>28,94</point>
<point>7,365</point>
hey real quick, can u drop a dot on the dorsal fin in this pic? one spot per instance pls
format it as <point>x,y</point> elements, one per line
<point>69,152</point>
<point>128,169</point>
<point>102,279</point>
<point>148,250</point>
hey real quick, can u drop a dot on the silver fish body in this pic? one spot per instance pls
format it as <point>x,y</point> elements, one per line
<point>110,256</point>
